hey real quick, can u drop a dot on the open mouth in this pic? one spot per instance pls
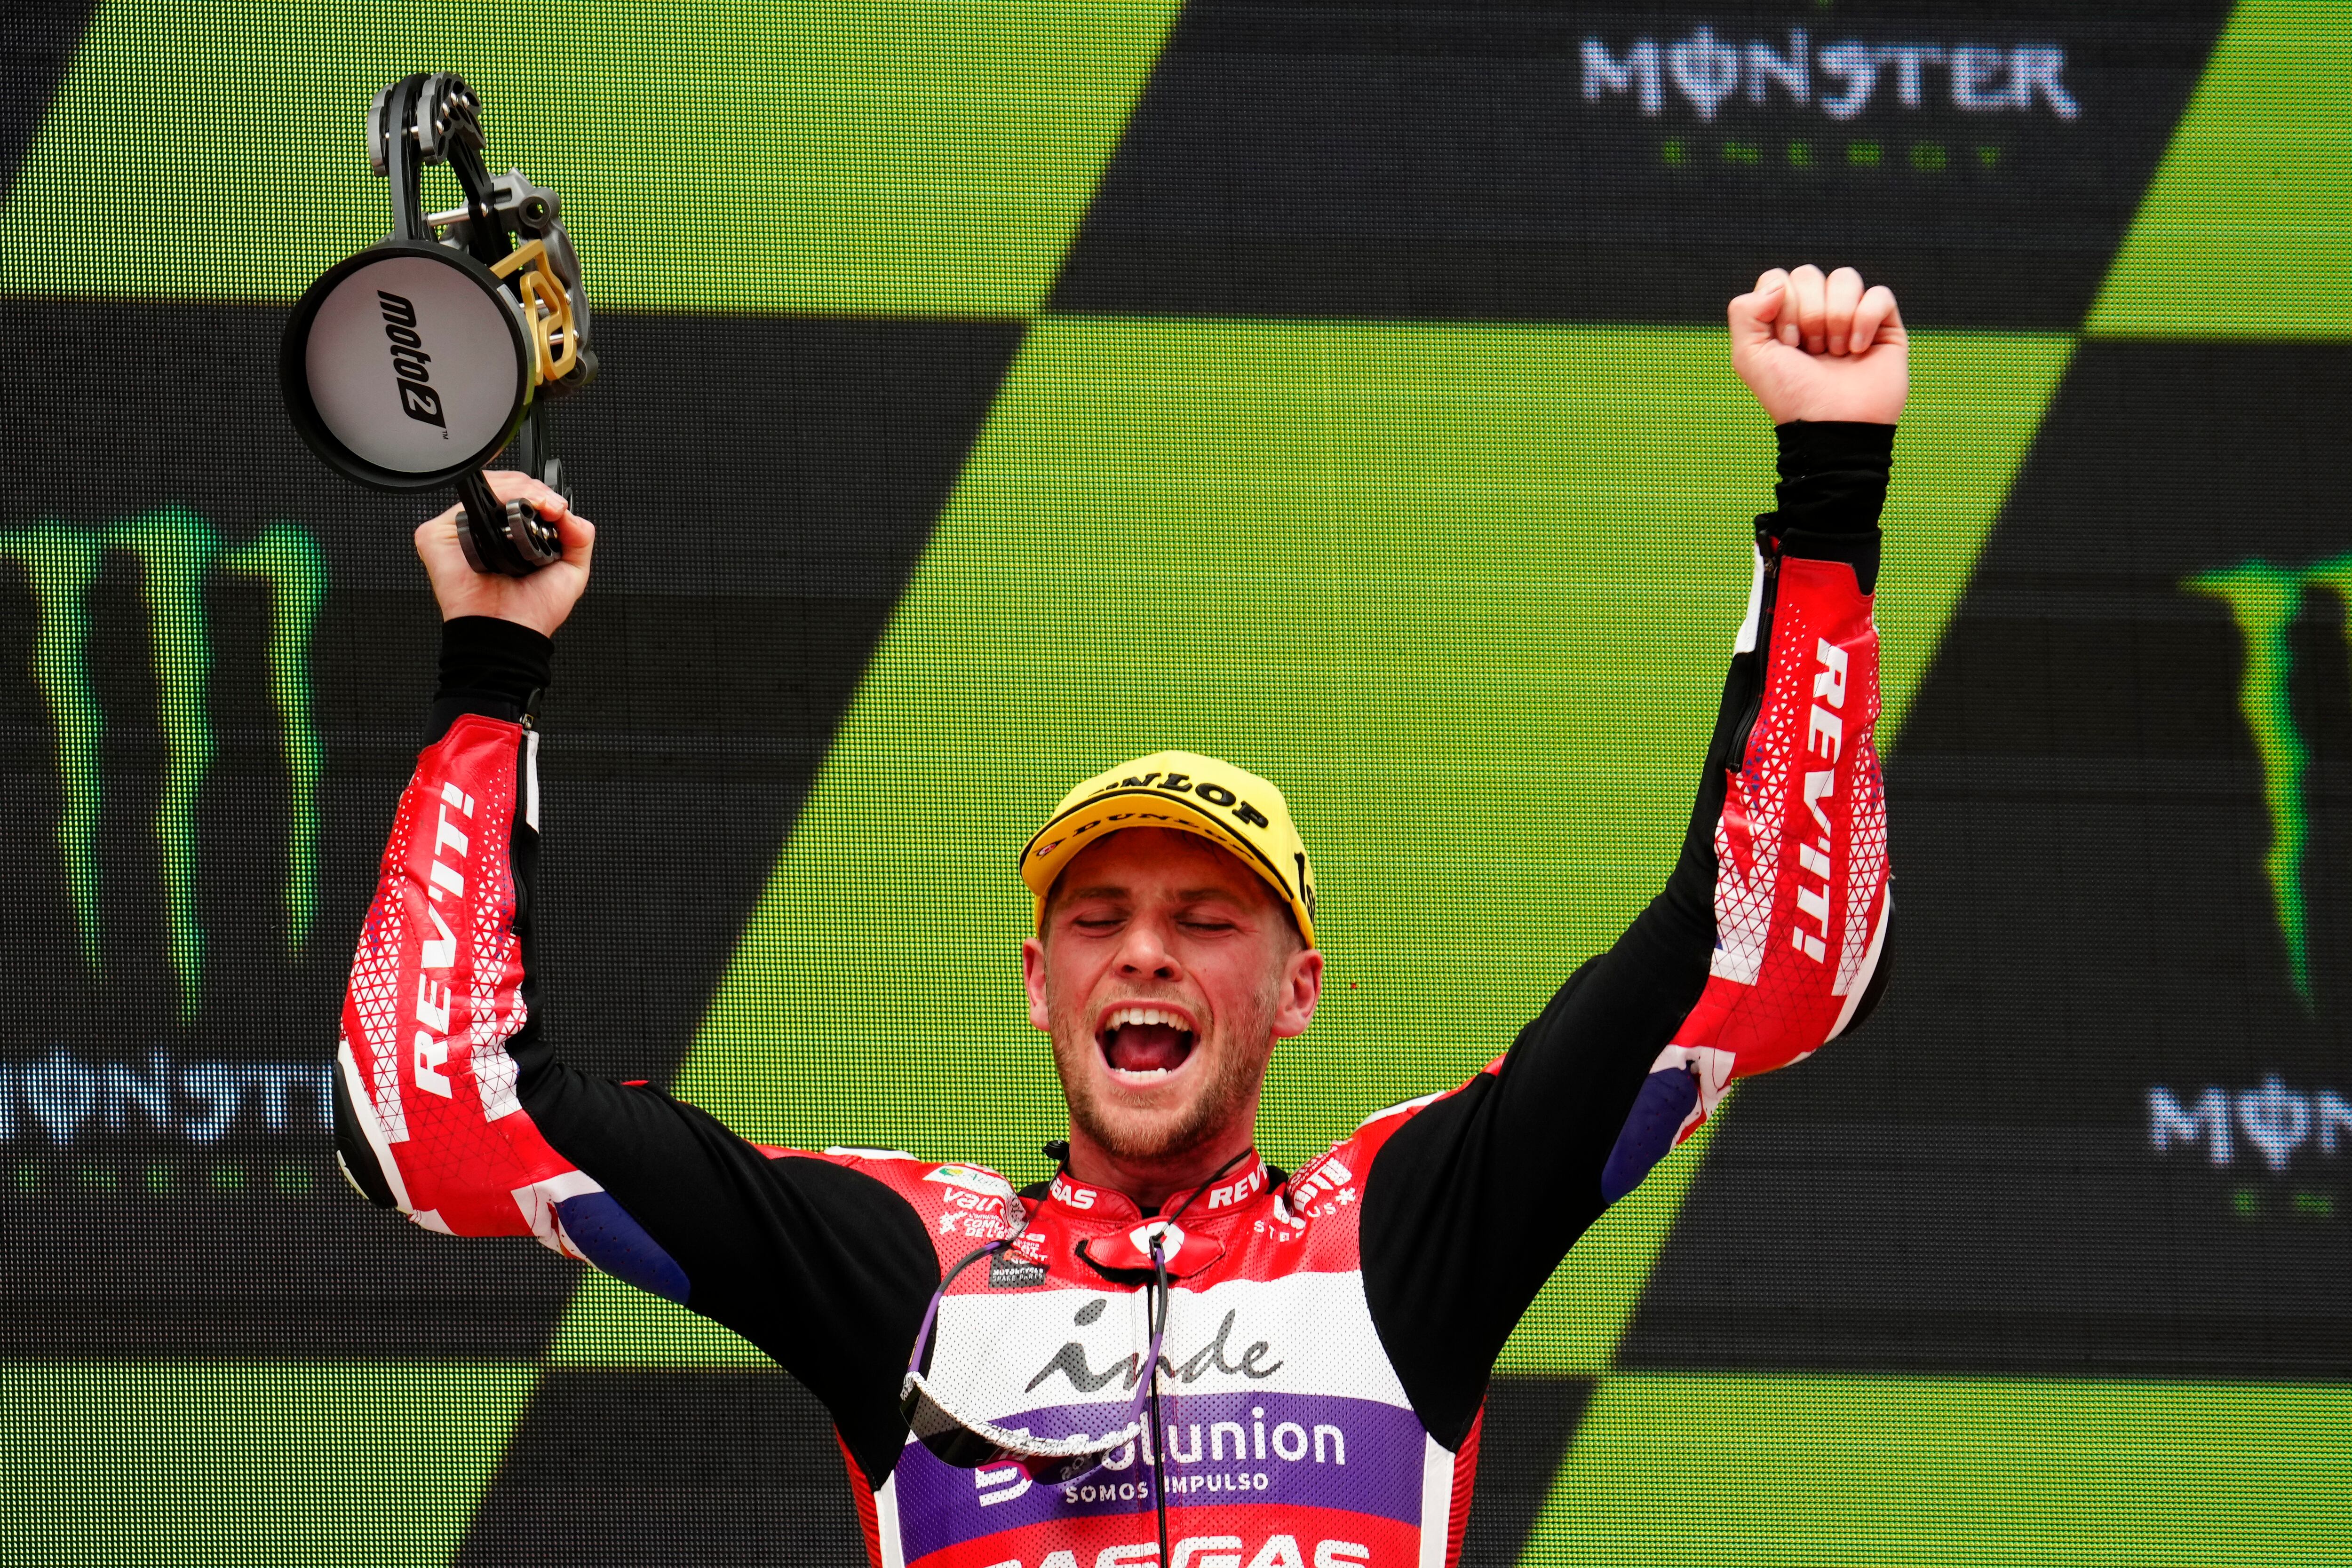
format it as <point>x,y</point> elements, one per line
<point>1142,1043</point>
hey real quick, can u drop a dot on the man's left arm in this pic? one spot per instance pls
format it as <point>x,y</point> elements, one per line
<point>1767,940</point>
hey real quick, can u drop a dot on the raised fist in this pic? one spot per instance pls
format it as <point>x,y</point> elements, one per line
<point>540,601</point>
<point>1820,348</point>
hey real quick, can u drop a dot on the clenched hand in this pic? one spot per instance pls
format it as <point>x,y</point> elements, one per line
<point>540,601</point>
<point>1822,347</point>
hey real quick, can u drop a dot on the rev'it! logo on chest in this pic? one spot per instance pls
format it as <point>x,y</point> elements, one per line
<point>1216,1355</point>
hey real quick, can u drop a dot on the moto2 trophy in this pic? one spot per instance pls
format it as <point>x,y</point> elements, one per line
<point>413,363</point>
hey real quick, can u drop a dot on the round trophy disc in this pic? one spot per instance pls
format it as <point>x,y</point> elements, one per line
<point>405,365</point>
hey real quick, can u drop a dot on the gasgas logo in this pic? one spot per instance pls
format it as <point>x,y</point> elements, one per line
<point>1212,1551</point>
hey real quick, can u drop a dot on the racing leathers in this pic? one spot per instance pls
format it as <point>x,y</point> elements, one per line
<point>1329,1334</point>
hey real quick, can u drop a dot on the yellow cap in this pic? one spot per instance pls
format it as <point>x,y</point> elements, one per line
<point>1232,807</point>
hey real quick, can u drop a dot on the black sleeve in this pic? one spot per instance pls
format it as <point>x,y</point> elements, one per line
<point>823,1267</point>
<point>491,667</point>
<point>1472,1204</point>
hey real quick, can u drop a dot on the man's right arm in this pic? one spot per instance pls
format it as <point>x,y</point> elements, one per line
<point>453,1107</point>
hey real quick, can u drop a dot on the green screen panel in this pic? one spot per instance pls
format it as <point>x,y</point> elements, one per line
<point>1969,1473</point>
<point>1467,593</point>
<point>154,1463</point>
<point>2245,232</point>
<point>850,159</point>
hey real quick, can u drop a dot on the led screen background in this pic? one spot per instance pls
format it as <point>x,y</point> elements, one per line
<point>995,391</point>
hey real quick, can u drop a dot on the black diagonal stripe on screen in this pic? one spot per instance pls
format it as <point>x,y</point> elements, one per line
<point>2094,1128</point>
<point>1537,161</point>
<point>641,1469</point>
<point>1530,1421</point>
<point>762,486</point>
<point>36,48</point>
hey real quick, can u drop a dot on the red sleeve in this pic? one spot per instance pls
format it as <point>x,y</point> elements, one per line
<point>437,990</point>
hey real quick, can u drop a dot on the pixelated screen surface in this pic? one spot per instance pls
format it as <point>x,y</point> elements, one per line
<point>994,392</point>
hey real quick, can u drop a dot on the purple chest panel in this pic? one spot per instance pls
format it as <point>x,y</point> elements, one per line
<point>1259,1446</point>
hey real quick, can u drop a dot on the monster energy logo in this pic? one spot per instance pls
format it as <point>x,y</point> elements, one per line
<point>175,549</point>
<point>2265,599</point>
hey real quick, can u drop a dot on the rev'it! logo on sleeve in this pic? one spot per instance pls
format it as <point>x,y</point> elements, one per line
<point>1824,740</point>
<point>177,552</point>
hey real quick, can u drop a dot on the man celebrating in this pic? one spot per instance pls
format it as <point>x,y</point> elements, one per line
<point>1171,1354</point>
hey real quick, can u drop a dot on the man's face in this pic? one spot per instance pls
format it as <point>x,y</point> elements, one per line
<point>1166,971</point>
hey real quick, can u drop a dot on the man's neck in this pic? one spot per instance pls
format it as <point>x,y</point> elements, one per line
<point>1152,1184</point>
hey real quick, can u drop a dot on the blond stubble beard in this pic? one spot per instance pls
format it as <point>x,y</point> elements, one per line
<point>1225,1095</point>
